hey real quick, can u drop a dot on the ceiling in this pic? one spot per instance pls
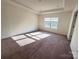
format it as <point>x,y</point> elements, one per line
<point>43,6</point>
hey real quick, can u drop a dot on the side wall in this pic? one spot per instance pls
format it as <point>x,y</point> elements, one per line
<point>70,25</point>
<point>74,41</point>
<point>63,25</point>
<point>16,20</point>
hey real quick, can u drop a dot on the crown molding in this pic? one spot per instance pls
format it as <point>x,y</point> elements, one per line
<point>52,11</point>
<point>23,6</point>
<point>14,2</point>
<point>59,11</point>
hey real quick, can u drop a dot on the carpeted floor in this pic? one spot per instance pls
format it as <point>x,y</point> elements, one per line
<point>52,47</point>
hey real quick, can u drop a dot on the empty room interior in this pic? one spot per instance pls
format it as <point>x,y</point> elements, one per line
<point>39,29</point>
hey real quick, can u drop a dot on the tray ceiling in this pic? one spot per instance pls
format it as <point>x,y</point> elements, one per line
<point>46,5</point>
<point>42,5</point>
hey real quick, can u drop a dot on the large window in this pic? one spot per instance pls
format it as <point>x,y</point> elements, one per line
<point>51,22</point>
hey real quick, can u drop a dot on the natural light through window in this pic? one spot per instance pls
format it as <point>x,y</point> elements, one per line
<point>35,37</point>
<point>43,36</point>
<point>18,37</point>
<point>51,23</point>
<point>22,40</point>
<point>25,41</point>
<point>36,33</point>
<point>47,22</point>
<point>38,36</point>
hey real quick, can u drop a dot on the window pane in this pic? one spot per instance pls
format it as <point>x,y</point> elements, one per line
<point>46,19</point>
<point>51,22</point>
<point>54,23</point>
<point>47,24</point>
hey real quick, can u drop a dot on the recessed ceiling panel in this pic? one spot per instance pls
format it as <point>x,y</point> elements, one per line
<point>41,5</point>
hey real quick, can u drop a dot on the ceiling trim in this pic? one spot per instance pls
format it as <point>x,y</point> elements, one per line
<point>23,6</point>
<point>35,11</point>
<point>54,10</point>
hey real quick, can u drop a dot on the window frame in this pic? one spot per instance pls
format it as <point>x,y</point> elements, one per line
<point>50,21</point>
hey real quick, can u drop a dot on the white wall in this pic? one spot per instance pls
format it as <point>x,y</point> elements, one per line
<point>16,20</point>
<point>74,41</point>
<point>69,30</point>
<point>63,25</point>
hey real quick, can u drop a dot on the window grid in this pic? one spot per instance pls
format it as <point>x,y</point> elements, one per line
<point>53,22</point>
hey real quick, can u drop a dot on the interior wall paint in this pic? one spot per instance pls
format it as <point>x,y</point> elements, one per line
<point>16,20</point>
<point>70,25</point>
<point>74,41</point>
<point>63,24</point>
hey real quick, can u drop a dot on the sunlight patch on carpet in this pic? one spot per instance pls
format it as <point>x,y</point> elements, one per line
<point>36,33</point>
<point>18,37</point>
<point>28,34</point>
<point>25,41</point>
<point>35,37</point>
<point>43,36</point>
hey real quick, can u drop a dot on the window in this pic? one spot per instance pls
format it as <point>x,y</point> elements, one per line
<point>47,22</point>
<point>51,22</point>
